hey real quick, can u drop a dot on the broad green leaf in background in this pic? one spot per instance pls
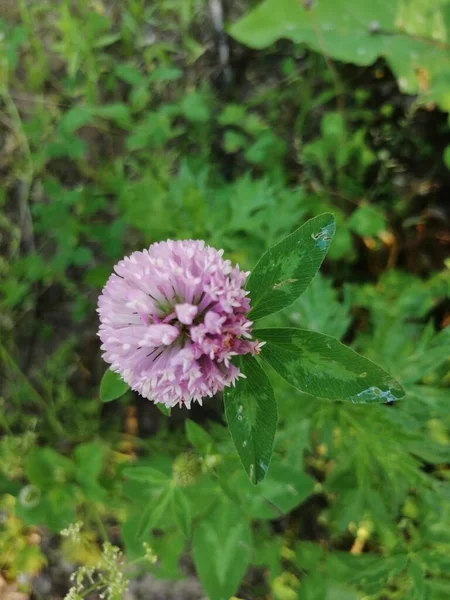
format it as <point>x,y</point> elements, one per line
<point>118,113</point>
<point>367,220</point>
<point>251,412</point>
<point>222,547</point>
<point>284,488</point>
<point>320,310</point>
<point>89,459</point>
<point>147,475</point>
<point>284,272</point>
<point>168,548</point>
<point>54,508</point>
<point>413,40</point>
<point>308,555</point>
<point>447,156</point>
<point>317,586</point>
<point>321,366</point>
<point>112,386</point>
<point>200,439</point>
<point>195,107</point>
<point>182,511</point>
<point>375,573</point>
<point>46,468</point>
<point>73,119</point>
<point>153,513</point>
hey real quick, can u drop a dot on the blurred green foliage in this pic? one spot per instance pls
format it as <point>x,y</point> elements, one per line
<point>120,127</point>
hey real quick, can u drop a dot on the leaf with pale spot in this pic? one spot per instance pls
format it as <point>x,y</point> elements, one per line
<point>284,272</point>
<point>321,366</point>
<point>251,412</point>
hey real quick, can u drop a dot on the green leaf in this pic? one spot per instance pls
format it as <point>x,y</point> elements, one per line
<point>147,475</point>
<point>360,32</point>
<point>284,488</point>
<point>447,156</point>
<point>89,460</point>
<point>154,511</point>
<point>222,548</point>
<point>74,119</point>
<point>165,74</point>
<point>112,386</point>
<point>376,573</point>
<point>46,468</point>
<point>54,508</point>
<point>198,437</point>
<point>321,366</point>
<point>163,409</point>
<point>308,555</point>
<point>106,40</point>
<point>417,574</point>
<point>251,412</point>
<point>284,272</point>
<point>367,220</point>
<point>320,310</point>
<point>118,113</point>
<point>182,511</point>
<point>195,107</point>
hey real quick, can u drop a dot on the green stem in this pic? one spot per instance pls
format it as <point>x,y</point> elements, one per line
<point>6,357</point>
<point>98,520</point>
<point>28,173</point>
<point>89,590</point>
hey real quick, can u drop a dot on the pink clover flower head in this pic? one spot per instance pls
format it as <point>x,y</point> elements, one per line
<point>172,317</point>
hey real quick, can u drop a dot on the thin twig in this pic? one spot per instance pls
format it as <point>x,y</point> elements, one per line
<point>223,47</point>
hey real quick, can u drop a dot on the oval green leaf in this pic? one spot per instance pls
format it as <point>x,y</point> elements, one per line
<point>112,386</point>
<point>284,272</point>
<point>251,412</point>
<point>321,366</point>
<point>163,409</point>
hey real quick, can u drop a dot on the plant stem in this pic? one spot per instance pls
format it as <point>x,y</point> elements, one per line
<point>6,357</point>
<point>98,520</point>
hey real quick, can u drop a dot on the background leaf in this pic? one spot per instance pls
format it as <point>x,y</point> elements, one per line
<point>361,33</point>
<point>147,475</point>
<point>222,547</point>
<point>182,511</point>
<point>153,513</point>
<point>284,488</point>
<point>200,439</point>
